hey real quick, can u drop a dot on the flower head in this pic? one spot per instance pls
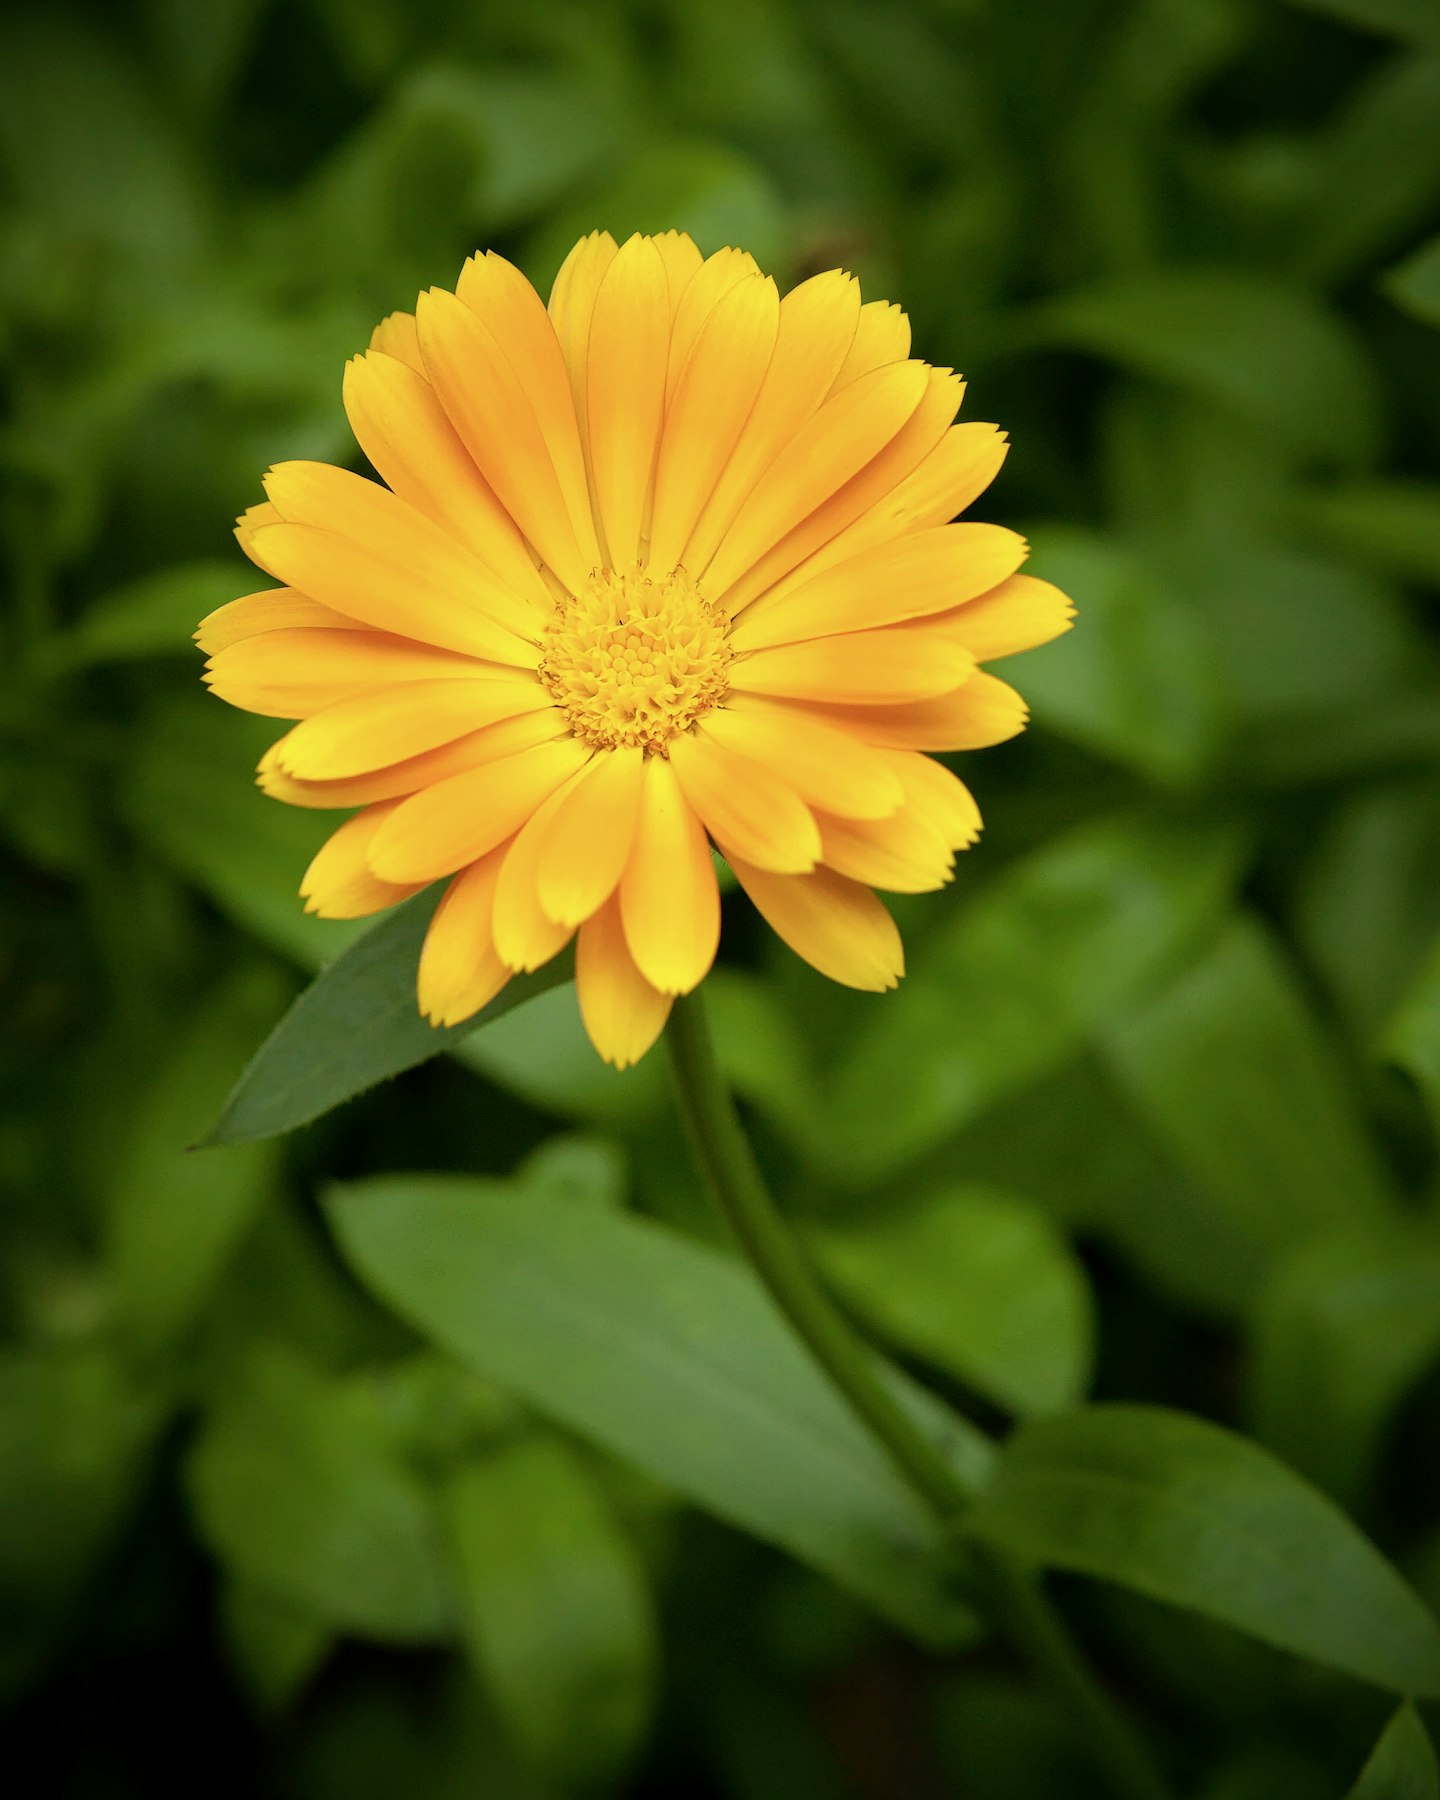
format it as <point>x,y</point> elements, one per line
<point>665,565</point>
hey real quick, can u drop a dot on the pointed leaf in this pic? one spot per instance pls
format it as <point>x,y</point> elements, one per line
<point>1185,1512</point>
<point>1402,1765</point>
<point>669,1355</point>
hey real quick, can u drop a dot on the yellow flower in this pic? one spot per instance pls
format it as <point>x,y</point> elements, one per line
<point>665,565</point>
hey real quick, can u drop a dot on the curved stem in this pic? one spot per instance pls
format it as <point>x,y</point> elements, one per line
<point>1016,1600</point>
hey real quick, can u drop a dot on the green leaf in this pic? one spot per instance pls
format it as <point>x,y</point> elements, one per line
<point>1402,1765</point>
<point>1413,1039</point>
<point>1185,1512</point>
<point>1136,683</point>
<point>276,1645</point>
<point>357,1024</point>
<point>1009,989</point>
<point>1342,1332</point>
<point>190,795</point>
<point>978,1283</point>
<point>555,1609</point>
<point>1414,19</point>
<point>173,1219</point>
<point>73,1435</point>
<point>1415,283</point>
<point>669,1355</point>
<point>1394,525</point>
<point>1266,351</point>
<point>1233,1070</point>
<point>298,1487</point>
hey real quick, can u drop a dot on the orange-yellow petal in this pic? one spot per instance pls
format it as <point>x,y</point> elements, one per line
<point>401,426</point>
<point>837,925</point>
<point>938,796</point>
<point>711,400</point>
<point>623,1014</point>
<point>882,335</point>
<point>984,711</point>
<point>339,883</point>
<point>921,430</point>
<point>274,609</point>
<point>459,970</point>
<point>375,730</point>
<point>290,674</point>
<point>496,420</point>
<point>500,296</point>
<point>682,259</point>
<point>861,668</point>
<point>669,900</point>
<point>396,336</point>
<point>446,826</point>
<point>694,300</point>
<point>588,843</point>
<point>903,854</point>
<point>525,934</point>
<point>828,451</point>
<point>1018,614</point>
<point>625,392</point>
<point>744,803</point>
<point>826,767</point>
<point>393,780</point>
<point>921,573</point>
<point>816,329</point>
<point>572,305</point>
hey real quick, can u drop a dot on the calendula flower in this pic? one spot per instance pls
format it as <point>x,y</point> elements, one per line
<point>665,565</point>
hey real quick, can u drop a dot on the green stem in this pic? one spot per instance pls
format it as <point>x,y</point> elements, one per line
<point>1016,1600</point>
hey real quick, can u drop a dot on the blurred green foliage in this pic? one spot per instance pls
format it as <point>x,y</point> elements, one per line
<point>1152,1120</point>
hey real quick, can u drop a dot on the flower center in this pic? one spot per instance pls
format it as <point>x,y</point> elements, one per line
<point>634,660</point>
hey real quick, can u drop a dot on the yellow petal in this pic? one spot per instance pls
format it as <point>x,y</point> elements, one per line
<point>960,467</point>
<point>681,256</point>
<point>860,668</point>
<point>459,970</point>
<point>882,336</point>
<point>922,573</point>
<point>500,296</point>
<point>669,900</point>
<point>692,304</point>
<point>938,796</point>
<point>629,350</point>
<point>375,730</point>
<point>743,803</point>
<point>817,327</point>
<point>274,609</point>
<point>411,601</point>
<point>833,445</point>
<point>401,426</point>
<point>248,524</point>
<point>901,854</point>
<point>1019,614</point>
<point>339,883</point>
<point>408,774</point>
<point>381,524</point>
<point>396,336</point>
<point>525,934</point>
<point>489,408</point>
<point>953,475</point>
<point>918,435</point>
<point>623,1014</point>
<point>589,839</point>
<point>984,711</point>
<point>711,401</point>
<point>293,673</point>
<point>826,767</point>
<point>446,826</point>
<point>838,926</point>
<point>572,305</point>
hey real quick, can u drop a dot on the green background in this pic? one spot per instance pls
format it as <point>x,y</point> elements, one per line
<point>1152,1119</point>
